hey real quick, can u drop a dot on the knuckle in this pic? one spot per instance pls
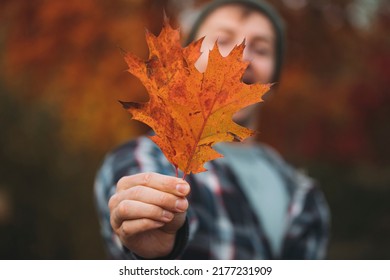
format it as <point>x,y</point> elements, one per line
<point>165,199</point>
<point>122,182</point>
<point>122,209</point>
<point>136,193</point>
<point>168,181</point>
<point>111,202</point>
<point>146,178</point>
<point>113,223</point>
<point>127,229</point>
<point>145,223</point>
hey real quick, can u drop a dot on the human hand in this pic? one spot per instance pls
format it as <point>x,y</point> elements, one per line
<point>146,212</point>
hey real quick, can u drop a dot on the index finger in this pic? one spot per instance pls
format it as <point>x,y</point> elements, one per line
<point>169,184</point>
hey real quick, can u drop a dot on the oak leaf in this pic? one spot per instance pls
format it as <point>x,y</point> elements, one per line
<point>190,111</point>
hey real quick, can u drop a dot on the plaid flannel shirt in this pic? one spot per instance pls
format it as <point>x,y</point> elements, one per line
<point>217,226</point>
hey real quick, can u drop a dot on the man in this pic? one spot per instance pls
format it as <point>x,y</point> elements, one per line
<point>248,205</point>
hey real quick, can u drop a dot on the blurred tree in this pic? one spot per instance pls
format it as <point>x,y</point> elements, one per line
<point>67,53</point>
<point>61,76</point>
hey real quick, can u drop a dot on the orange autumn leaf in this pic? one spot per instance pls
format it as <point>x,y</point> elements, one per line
<point>188,110</point>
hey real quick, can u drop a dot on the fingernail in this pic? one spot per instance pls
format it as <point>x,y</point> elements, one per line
<point>167,216</point>
<point>182,188</point>
<point>181,204</point>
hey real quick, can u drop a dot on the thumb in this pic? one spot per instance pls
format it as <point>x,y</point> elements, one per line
<point>176,223</point>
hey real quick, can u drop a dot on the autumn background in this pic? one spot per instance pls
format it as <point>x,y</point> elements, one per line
<point>61,74</point>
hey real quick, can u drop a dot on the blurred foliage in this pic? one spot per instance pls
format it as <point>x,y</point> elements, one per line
<point>334,91</point>
<point>52,209</point>
<point>61,74</point>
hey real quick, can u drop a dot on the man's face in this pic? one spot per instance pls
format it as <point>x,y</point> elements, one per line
<point>229,25</point>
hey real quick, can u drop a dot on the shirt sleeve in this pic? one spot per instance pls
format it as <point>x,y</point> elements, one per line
<point>104,188</point>
<point>309,233</point>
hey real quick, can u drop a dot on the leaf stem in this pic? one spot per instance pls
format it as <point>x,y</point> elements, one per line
<point>177,171</point>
